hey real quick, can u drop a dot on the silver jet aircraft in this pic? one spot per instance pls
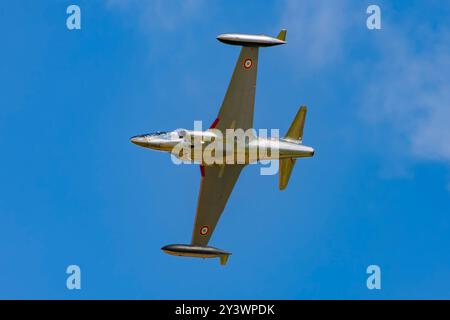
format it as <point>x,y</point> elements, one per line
<point>219,177</point>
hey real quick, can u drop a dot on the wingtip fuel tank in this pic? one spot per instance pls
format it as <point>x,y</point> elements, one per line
<point>253,40</point>
<point>187,250</point>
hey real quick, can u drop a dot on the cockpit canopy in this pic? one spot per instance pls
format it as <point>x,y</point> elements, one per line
<point>168,135</point>
<point>157,133</point>
<point>182,133</point>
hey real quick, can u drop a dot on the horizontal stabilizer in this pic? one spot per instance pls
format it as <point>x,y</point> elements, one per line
<point>286,166</point>
<point>294,134</point>
<point>295,131</point>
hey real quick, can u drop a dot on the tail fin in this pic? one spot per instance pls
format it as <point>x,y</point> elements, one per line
<point>282,35</point>
<point>286,166</point>
<point>295,133</point>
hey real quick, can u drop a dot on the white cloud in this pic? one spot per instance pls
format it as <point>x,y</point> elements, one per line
<point>316,29</point>
<point>406,89</point>
<point>410,91</point>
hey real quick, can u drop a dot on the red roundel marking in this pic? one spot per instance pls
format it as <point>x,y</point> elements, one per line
<point>204,230</point>
<point>248,64</point>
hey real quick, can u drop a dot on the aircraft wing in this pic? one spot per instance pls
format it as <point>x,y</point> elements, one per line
<point>215,188</point>
<point>237,107</point>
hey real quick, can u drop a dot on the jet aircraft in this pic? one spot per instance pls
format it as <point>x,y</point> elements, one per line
<point>218,178</point>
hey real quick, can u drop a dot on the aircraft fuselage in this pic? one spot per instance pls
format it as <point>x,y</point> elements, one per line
<point>202,146</point>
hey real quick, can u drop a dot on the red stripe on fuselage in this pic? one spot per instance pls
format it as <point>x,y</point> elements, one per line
<point>214,123</point>
<point>202,170</point>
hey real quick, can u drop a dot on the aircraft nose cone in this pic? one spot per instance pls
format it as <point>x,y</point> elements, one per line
<point>138,140</point>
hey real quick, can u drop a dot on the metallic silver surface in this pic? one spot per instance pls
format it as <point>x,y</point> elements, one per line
<point>249,40</point>
<point>185,250</point>
<point>236,112</point>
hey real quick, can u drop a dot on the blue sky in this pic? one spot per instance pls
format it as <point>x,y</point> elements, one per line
<point>76,191</point>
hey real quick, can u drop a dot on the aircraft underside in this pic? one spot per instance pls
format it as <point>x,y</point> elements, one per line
<point>221,162</point>
<point>257,150</point>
